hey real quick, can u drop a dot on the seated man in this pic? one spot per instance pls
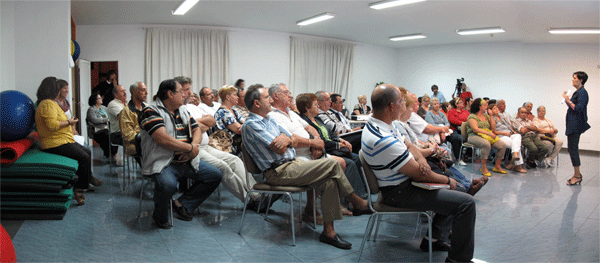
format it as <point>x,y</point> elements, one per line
<point>128,119</point>
<point>206,101</point>
<point>330,113</point>
<point>271,148</point>
<point>400,164</point>
<point>113,110</point>
<point>529,138</point>
<point>231,166</point>
<point>547,132</point>
<point>170,140</point>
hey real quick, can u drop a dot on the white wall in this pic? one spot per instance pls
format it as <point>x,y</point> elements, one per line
<point>36,43</point>
<point>255,56</point>
<point>516,72</point>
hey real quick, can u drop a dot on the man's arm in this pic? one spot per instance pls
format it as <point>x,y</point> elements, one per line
<point>412,170</point>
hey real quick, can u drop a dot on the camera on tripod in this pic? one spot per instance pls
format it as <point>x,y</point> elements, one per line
<point>458,88</point>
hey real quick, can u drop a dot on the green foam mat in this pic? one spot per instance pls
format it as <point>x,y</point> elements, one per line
<point>15,205</point>
<point>37,158</point>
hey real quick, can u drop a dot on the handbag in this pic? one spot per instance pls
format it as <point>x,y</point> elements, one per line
<point>220,140</point>
<point>487,137</point>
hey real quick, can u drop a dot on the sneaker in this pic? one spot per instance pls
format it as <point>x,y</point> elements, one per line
<point>460,162</point>
<point>548,161</point>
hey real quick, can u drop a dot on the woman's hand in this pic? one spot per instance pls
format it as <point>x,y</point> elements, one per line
<point>566,96</point>
<point>72,121</point>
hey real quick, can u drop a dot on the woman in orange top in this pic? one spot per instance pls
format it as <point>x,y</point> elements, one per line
<point>56,135</point>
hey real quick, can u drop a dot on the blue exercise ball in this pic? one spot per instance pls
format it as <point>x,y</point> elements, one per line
<point>17,115</point>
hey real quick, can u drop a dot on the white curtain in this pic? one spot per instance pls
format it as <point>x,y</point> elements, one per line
<point>320,65</point>
<point>200,54</point>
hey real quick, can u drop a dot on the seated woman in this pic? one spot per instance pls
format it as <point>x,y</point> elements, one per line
<point>436,117</point>
<point>64,104</point>
<point>424,107</point>
<point>457,115</point>
<point>309,108</point>
<point>98,118</point>
<point>432,151</point>
<point>510,137</point>
<point>547,132</point>
<point>56,136</point>
<point>361,108</point>
<point>480,134</point>
<point>229,119</point>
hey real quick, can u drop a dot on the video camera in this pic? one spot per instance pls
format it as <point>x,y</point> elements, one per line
<point>458,88</point>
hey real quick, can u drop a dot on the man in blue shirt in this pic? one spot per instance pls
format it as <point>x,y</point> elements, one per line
<point>438,94</point>
<point>272,149</point>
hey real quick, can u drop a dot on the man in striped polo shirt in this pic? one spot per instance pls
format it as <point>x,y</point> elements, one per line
<point>396,163</point>
<point>272,149</point>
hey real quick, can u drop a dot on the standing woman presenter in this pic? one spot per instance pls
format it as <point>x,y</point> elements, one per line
<point>576,122</point>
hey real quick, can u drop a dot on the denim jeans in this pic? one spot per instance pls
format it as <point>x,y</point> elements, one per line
<point>206,180</point>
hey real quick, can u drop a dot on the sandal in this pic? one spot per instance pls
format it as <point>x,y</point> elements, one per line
<point>577,178</point>
<point>346,212</point>
<point>78,196</point>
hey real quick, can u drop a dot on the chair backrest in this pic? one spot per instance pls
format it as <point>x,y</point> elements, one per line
<point>372,184</point>
<point>463,130</point>
<point>248,162</point>
<point>90,128</point>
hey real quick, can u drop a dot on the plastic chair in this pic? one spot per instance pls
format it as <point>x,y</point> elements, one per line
<point>379,209</point>
<point>264,188</point>
<point>463,132</point>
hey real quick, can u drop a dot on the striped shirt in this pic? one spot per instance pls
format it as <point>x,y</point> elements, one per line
<point>257,135</point>
<point>384,150</point>
<point>152,121</point>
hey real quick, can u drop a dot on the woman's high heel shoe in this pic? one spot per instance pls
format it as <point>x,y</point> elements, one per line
<point>577,178</point>
<point>78,196</point>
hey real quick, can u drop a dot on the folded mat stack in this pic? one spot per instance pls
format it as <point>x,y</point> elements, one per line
<point>38,185</point>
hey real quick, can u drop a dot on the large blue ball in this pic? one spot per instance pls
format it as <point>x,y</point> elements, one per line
<point>17,115</point>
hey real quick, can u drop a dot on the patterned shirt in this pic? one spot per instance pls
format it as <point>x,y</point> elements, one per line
<point>151,121</point>
<point>384,150</point>
<point>225,117</point>
<point>257,135</point>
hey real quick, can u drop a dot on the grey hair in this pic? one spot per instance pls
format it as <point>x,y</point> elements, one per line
<point>183,80</point>
<point>116,90</point>
<point>541,107</point>
<point>434,99</point>
<point>274,89</point>
<point>134,87</point>
<point>525,104</point>
<point>320,95</point>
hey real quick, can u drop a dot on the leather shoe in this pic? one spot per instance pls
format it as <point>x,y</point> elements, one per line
<point>435,246</point>
<point>360,212</point>
<point>181,212</point>
<point>95,181</point>
<point>336,241</point>
<point>159,224</point>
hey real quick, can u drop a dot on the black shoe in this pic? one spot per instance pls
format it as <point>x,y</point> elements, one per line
<point>265,202</point>
<point>360,212</point>
<point>95,181</point>
<point>181,212</point>
<point>336,241</point>
<point>435,246</point>
<point>531,164</point>
<point>159,224</point>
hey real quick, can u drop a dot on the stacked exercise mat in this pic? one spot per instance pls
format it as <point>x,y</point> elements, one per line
<point>37,185</point>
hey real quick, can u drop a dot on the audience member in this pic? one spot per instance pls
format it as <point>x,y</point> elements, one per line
<point>445,106</point>
<point>98,118</point>
<point>128,119</point>
<point>270,146</point>
<point>480,134</point>
<point>468,101</point>
<point>105,87</point>
<point>465,94</point>
<point>529,107</point>
<point>215,95</point>
<point>385,147</point>
<point>457,115</point>
<point>195,99</point>
<point>240,107</point>
<point>64,104</point>
<point>170,140</point>
<point>437,118</point>
<point>437,94</point>
<point>229,119</point>
<point>332,118</point>
<point>206,101</point>
<point>424,106</point>
<point>114,108</point>
<point>536,149</point>
<point>547,132</point>
<point>239,84</point>
<point>56,136</point>
<point>361,108</point>
<point>504,129</point>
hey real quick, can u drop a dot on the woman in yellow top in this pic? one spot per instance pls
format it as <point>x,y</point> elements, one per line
<point>56,135</point>
<point>479,130</point>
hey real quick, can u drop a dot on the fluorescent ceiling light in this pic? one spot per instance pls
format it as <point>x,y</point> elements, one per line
<point>315,19</point>
<point>184,7</point>
<point>475,31</point>
<point>392,3</point>
<point>581,30</point>
<point>408,37</point>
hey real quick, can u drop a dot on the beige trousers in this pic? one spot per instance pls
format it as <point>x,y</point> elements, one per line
<point>485,146</point>
<point>324,174</point>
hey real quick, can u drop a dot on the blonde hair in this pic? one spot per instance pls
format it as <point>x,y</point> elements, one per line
<point>226,90</point>
<point>362,97</point>
<point>425,97</point>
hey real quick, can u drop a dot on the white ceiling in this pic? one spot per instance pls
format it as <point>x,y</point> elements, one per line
<point>525,21</point>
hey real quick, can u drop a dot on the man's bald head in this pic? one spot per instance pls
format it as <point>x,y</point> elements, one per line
<point>383,96</point>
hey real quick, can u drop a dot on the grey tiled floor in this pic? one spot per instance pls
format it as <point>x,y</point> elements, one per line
<point>530,217</point>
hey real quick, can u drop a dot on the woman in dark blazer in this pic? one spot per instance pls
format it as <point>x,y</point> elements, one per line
<point>576,122</point>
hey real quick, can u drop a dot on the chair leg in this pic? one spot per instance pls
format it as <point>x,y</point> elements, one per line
<point>291,218</point>
<point>141,197</point>
<point>244,212</point>
<point>430,245</point>
<point>219,193</point>
<point>267,212</point>
<point>377,228</point>
<point>366,235</point>
<point>314,209</point>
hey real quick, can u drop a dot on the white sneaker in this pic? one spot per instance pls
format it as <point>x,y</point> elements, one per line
<point>460,162</point>
<point>548,161</point>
